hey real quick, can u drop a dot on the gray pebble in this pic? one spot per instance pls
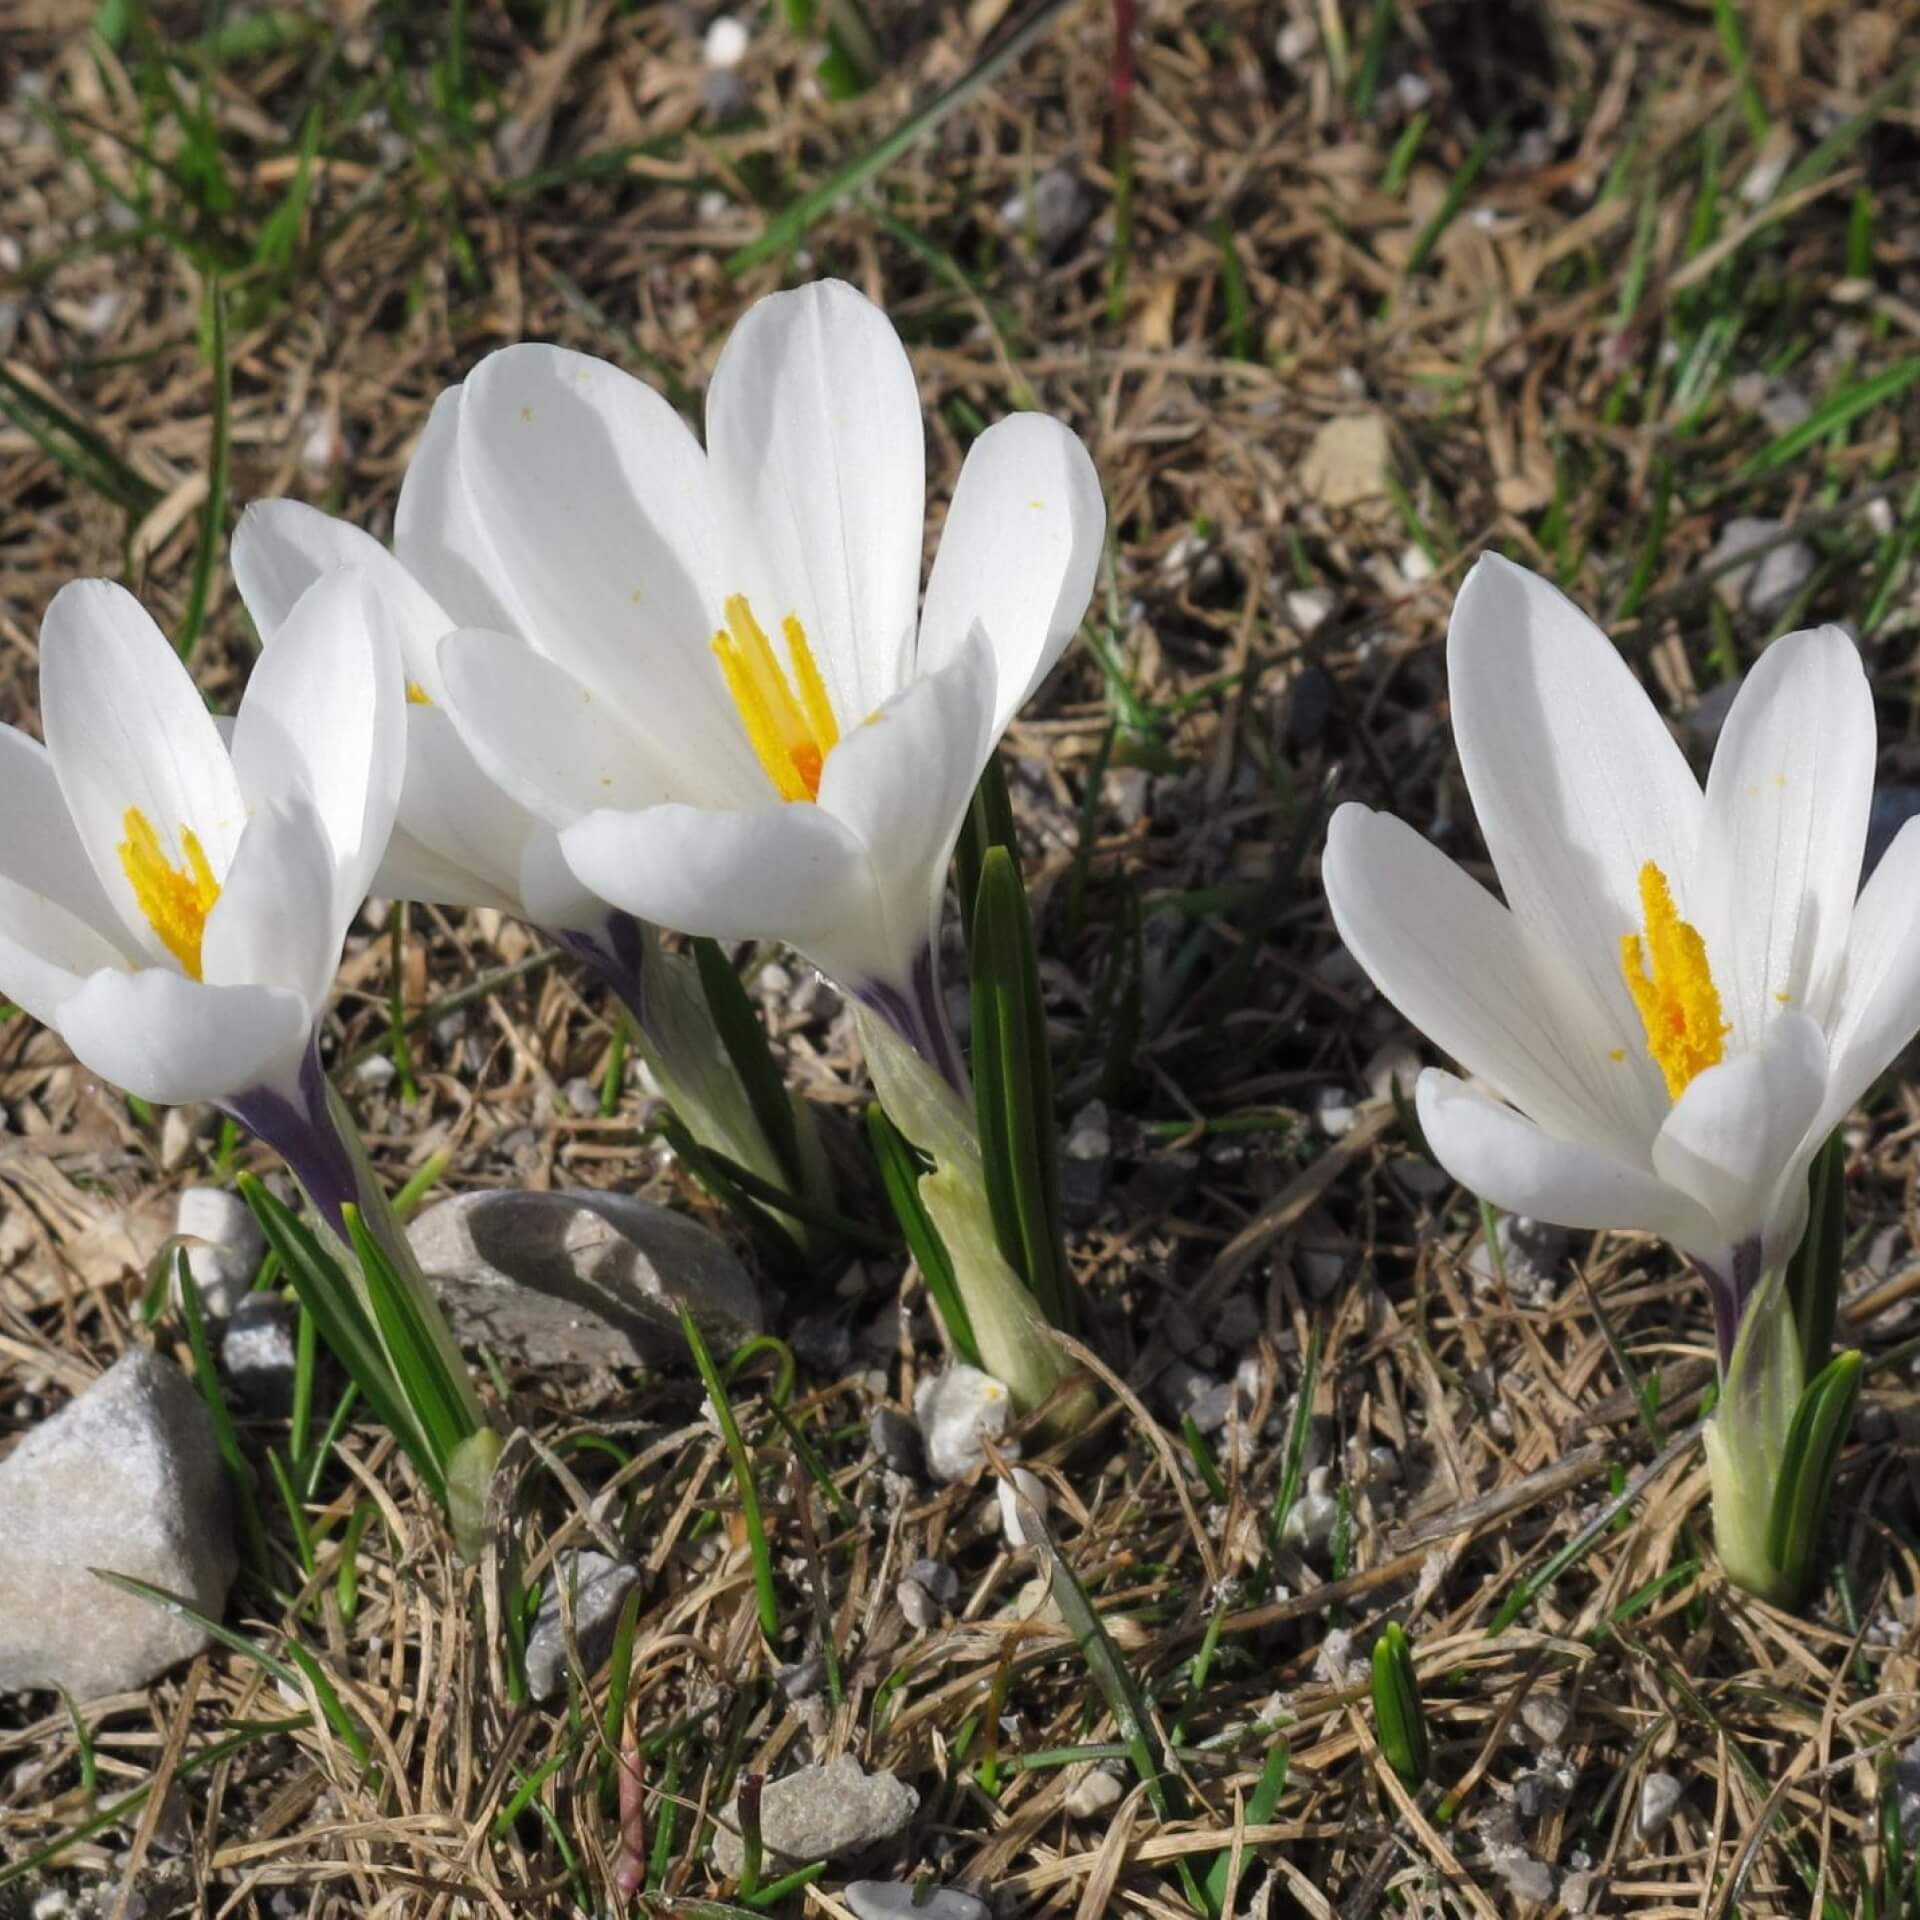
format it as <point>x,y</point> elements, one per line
<point>599,1585</point>
<point>260,1351</point>
<point>896,1440</point>
<point>1659,1795</point>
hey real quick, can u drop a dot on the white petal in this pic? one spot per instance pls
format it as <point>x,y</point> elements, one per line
<point>171,1040</point>
<point>1461,968</point>
<point>410,870</point>
<point>595,497</point>
<point>39,849</point>
<point>324,715</point>
<point>790,873</point>
<point>458,819</point>
<point>271,926</point>
<point>1878,1006</point>
<point>551,894</point>
<point>126,730</point>
<point>1018,554</point>
<point>902,782</point>
<point>47,953</point>
<point>282,547</point>
<point>1738,1132</point>
<point>438,538</point>
<point>819,464</point>
<point>1785,828</point>
<point>1575,779</point>
<point>1502,1156</point>
<point>550,742</point>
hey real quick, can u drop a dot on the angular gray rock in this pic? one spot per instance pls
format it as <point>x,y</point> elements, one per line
<point>126,1477</point>
<point>581,1279</point>
<point>819,1813</point>
<point>260,1351</point>
<point>599,1586</point>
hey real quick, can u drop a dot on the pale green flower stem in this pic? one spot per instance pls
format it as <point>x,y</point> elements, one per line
<point>1746,1440</point>
<point>1016,1344</point>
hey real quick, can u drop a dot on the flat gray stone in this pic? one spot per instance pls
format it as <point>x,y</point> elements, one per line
<point>892,1900</point>
<point>126,1477</point>
<point>599,1586</point>
<point>819,1813</point>
<point>581,1279</point>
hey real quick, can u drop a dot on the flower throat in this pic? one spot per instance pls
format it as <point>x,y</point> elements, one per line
<point>176,900</point>
<point>789,719</point>
<point>1678,1003</point>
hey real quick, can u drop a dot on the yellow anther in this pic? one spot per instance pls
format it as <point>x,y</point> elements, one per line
<point>417,695</point>
<point>789,719</point>
<point>176,900</point>
<point>1678,1003</point>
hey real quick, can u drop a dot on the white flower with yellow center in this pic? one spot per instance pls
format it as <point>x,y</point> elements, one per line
<point>173,899</point>
<point>710,672</point>
<point>1681,996</point>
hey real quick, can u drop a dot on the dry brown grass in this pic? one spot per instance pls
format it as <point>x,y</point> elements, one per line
<point>1531,360</point>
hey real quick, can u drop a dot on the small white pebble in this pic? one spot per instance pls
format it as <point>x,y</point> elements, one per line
<point>1034,1491</point>
<point>955,1411</point>
<point>726,43</point>
<point>1093,1795</point>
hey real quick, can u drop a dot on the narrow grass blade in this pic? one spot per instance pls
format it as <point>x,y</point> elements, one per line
<point>1013,1089</point>
<point>1851,131</point>
<point>989,824</point>
<point>1454,199</point>
<point>213,516</point>
<point>787,229</point>
<point>1110,1674</point>
<point>1260,1805</point>
<point>1813,1274</point>
<point>1298,1427</point>
<point>745,1040</point>
<point>75,446</point>
<point>117,1811</point>
<point>1840,408</point>
<point>900,1172</point>
<point>439,1406</point>
<point>328,1295</point>
<point>1233,289</point>
<point>742,1193</point>
<point>1804,1492</point>
<point>1398,1713</point>
<point>1733,43</point>
<point>298,1661</point>
<point>768,1600</point>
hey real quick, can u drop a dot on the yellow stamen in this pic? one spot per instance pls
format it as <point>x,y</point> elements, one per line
<point>176,900</point>
<point>789,719</point>
<point>417,695</point>
<point>1678,1003</point>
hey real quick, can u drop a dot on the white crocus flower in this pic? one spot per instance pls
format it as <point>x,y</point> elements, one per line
<point>1681,996</point>
<point>710,672</point>
<point>173,898</point>
<point>459,839</point>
